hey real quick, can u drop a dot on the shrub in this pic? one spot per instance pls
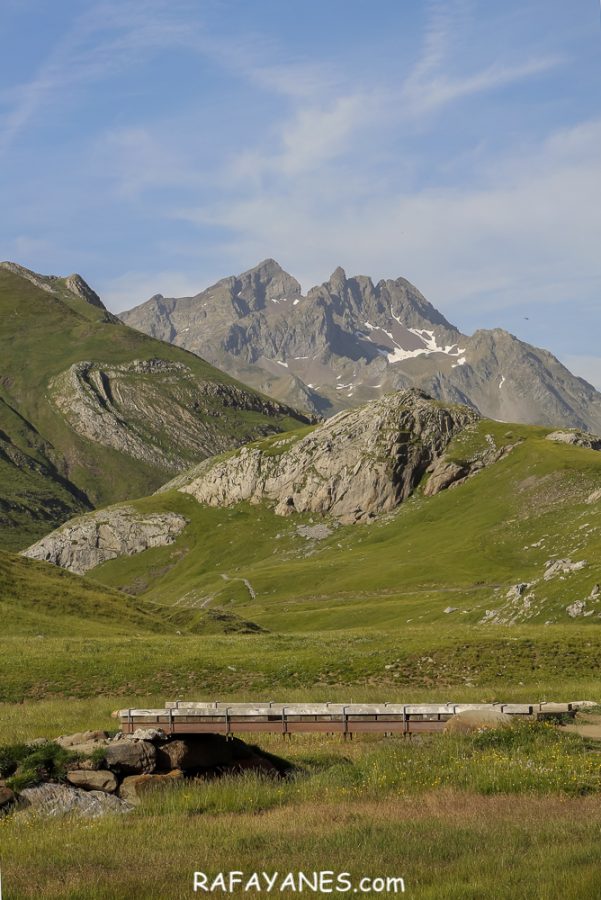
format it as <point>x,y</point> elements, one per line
<point>27,765</point>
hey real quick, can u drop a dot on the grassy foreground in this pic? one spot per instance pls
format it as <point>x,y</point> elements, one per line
<point>455,816</point>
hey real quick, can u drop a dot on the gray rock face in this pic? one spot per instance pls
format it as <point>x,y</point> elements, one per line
<point>349,340</point>
<point>132,757</point>
<point>55,800</point>
<point>358,464</point>
<point>86,542</point>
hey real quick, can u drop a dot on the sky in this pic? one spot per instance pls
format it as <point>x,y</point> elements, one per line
<point>159,145</point>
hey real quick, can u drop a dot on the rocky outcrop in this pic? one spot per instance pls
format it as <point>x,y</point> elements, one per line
<point>555,567</point>
<point>132,407</point>
<point>447,473</point>
<point>55,284</point>
<point>133,764</point>
<point>349,340</point>
<point>359,464</point>
<point>576,439</point>
<point>86,542</point>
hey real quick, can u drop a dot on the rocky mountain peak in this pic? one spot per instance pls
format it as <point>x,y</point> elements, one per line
<point>77,285</point>
<point>337,280</point>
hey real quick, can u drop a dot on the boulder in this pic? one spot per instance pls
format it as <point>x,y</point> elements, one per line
<point>134,786</point>
<point>477,720</point>
<point>132,757</point>
<point>205,751</point>
<point>54,800</point>
<point>7,797</point>
<point>82,738</point>
<point>154,735</point>
<point>93,780</point>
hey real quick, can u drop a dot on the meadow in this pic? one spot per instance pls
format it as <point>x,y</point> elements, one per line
<point>497,814</point>
<point>393,611</point>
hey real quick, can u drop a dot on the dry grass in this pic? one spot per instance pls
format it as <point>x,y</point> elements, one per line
<point>446,844</point>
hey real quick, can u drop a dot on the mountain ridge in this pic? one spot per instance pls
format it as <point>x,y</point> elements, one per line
<point>349,339</point>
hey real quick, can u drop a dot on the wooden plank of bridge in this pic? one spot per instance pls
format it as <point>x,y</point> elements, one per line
<point>203,717</point>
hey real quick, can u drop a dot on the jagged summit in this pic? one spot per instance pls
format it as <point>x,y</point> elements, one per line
<point>349,340</point>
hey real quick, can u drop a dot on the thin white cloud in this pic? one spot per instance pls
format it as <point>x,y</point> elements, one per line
<point>421,98</point>
<point>434,82</point>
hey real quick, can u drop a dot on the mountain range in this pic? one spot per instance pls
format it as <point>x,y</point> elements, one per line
<point>349,341</point>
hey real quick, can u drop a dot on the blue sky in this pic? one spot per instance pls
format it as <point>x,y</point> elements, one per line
<point>158,145</point>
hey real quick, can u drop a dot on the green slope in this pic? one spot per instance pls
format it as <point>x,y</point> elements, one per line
<point>463,548</point>
<point>40,600</point>
<point>49,469</point>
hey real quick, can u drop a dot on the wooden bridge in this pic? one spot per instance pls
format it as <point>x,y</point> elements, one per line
<point>183,717</point>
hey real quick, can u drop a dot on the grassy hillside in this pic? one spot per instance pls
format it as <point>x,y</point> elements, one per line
<point>463,548</point>
<point>416,605</point>
<point>48,470</point>
<point>39,600</point>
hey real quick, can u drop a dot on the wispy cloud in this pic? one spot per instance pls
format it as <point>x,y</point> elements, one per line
<point>423,97</point>
<point>434,80</point>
